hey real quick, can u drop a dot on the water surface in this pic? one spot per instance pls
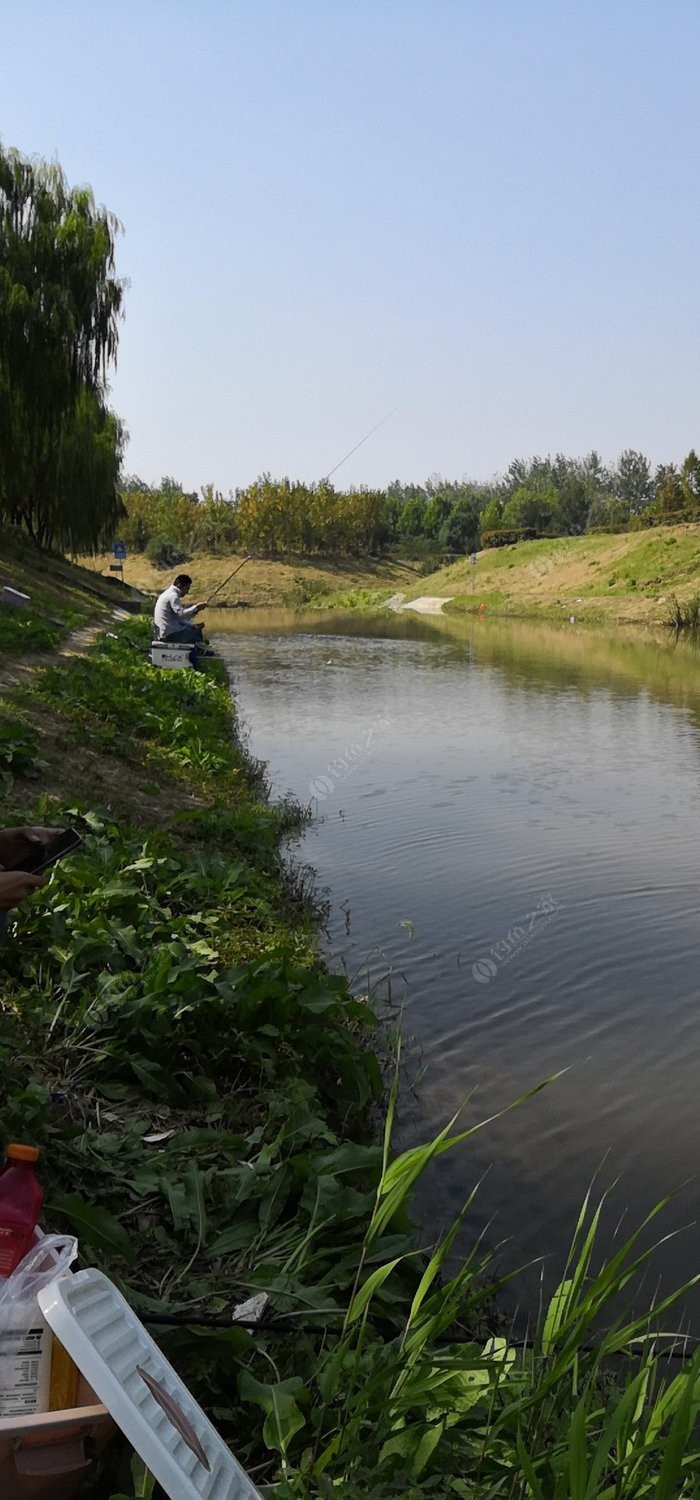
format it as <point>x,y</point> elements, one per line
<point>509,826</point>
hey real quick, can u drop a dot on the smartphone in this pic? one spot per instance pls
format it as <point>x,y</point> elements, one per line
<point>44,855</point>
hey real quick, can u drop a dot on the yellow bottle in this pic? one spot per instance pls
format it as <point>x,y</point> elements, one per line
<point>63,1391</point>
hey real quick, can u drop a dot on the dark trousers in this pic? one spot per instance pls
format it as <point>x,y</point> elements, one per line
<point>186,635</point>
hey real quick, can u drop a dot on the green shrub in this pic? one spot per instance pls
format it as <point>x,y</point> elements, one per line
<point>164,554</point>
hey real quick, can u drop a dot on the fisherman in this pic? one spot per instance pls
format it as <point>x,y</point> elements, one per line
<point>171,620</point>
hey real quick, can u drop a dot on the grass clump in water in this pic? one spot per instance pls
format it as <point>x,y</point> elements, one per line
<point>684,615</point>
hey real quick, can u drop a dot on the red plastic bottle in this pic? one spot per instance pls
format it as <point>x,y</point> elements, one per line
<point>21,1197</point>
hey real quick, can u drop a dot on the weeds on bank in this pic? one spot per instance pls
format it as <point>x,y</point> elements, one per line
<point>358,598</point>
<point>39,627</point>
<point>204,1103</point>
<point>684,615</point>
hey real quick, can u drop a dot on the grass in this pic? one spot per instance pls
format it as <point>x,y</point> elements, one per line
<point>628,576</point>
<point>206,1096</point>
<point>362,599</point>
<point>63,598</point>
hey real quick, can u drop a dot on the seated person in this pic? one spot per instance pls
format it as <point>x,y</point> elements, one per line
<point>171,620</point>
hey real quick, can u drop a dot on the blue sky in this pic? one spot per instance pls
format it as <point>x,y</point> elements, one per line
<point>484,213</point>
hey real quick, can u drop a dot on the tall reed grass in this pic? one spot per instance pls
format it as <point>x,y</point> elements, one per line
<point>590,1408</point>
<point>684,615</point>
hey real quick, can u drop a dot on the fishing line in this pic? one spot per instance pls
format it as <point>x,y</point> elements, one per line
<point>362,440</point>
<point>284,1326</point>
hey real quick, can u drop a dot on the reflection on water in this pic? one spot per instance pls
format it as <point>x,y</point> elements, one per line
<point>510,820</point>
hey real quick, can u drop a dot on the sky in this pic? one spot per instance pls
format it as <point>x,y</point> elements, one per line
<point>478,216</point>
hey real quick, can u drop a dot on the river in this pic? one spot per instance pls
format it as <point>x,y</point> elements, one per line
<point>508,829</point>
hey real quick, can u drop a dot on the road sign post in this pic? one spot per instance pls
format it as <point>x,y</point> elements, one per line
<point>119,550</point>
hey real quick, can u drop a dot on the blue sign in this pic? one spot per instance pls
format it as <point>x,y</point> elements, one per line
<point>119,549</point>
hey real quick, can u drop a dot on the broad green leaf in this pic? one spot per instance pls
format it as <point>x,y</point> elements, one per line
<point>95,1225</point>
<point>283,1417</point>
<point>556,1313</point>
<point>364,1295</point>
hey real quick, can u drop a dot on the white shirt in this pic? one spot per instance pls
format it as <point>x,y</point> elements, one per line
<point>169,613</point>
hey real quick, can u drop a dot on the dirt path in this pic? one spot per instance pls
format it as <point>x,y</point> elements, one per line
<point>76,644</point>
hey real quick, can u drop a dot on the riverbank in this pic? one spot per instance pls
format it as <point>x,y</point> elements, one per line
<point>63,598</point>
<point>627,578</point>
<point>208,1101</point>
<point>268,583</point>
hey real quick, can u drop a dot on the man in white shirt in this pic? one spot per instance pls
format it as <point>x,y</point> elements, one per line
<point>171,619</point>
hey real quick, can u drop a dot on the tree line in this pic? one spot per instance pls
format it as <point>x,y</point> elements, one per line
<point>536,497</point>
<point>61,445</point>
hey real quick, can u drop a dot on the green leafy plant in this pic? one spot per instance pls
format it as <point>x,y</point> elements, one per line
<point>18,752</point>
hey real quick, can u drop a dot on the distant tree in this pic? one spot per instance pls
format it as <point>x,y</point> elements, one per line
<point>460,532</point>
<point>412,518</point>
<point>608,513</point>
<point>131,484</point>
<point>669,497</point>
<point>491,516</point>
<point>690,481</point>
<point>533,507</point>
<point>437,512</point>
<point>630,482</point>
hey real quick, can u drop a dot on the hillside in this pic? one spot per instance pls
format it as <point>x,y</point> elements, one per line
<point>627,577</point>
<point>267,583</point>
<point>63,597</point>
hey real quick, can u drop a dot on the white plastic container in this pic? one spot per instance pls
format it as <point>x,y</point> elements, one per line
<point>171,655</point>
<point>15,598</point>
<point>124,1379</point>
<point>142,1391</point>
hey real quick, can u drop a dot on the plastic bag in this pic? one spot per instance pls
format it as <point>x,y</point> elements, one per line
<point>25,1337</point>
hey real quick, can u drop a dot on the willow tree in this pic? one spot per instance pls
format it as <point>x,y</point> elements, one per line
<point>60,303</point>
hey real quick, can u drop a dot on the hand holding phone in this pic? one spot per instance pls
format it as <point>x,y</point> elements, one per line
<point>38,853</point>
<point>15,886</point>
<point>18,844</point>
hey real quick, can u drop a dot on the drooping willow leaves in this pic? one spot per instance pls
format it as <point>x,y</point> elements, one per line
<point>60,304</point>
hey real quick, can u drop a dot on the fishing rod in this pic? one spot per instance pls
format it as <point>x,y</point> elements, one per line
<point>222,585</point>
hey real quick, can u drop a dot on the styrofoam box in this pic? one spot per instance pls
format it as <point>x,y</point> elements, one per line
<point>171,656</point>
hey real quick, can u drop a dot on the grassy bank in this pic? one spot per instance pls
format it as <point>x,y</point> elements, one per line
<point>264,582</point>
<point>63,598</point>
<point>629,577</point>
<point>632,577</point>
<point>207,1099</point>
